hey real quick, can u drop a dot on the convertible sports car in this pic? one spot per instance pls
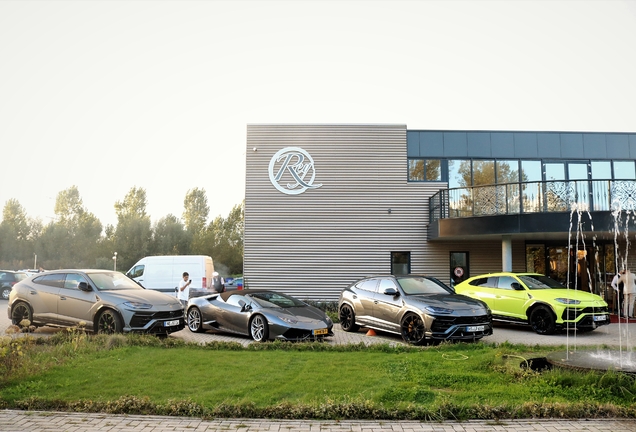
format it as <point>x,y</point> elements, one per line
<point>537,300</point>
<point>420,308</point>
<point>261,314</point>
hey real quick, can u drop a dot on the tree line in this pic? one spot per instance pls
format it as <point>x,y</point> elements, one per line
<point>77,239</point>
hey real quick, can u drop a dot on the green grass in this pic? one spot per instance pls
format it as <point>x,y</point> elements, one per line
<point>145,375</point>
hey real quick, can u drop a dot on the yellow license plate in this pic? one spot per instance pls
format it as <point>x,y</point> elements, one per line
<point>320,332</point>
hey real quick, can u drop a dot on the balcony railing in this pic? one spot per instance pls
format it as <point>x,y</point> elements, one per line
<point>533,197</point>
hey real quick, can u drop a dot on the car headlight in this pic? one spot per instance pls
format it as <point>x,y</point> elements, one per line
<point>137,305</point>
<point>438,310</point>
<point>287,320</point>
<point>568,301</point>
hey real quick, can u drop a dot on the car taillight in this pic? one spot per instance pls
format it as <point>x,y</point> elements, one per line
<point>13,283</point>
<point>205,284</point>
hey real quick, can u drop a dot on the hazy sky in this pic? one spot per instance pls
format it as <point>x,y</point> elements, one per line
<point>108,95</point>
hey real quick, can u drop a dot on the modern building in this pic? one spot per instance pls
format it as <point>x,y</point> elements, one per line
<point>328,204</point>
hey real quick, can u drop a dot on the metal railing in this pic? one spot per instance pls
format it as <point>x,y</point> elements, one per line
<point>533,197</point>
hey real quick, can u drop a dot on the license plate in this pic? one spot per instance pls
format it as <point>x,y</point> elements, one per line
<point>319,332</point>
<point>600,317</point>
<point>171,323</point>
<point>475,328</point>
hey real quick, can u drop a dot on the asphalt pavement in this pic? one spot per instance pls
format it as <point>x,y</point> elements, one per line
<point>621,336</point>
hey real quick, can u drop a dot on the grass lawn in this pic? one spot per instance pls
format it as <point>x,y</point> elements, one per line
<point>305,380</point>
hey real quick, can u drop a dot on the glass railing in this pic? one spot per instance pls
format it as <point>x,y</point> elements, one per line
<point>533,197</point>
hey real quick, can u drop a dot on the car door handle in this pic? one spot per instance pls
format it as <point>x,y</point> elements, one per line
<point>375,301</point>
<point>62,298</point>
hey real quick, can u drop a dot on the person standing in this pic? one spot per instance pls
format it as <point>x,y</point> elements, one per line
<point>618,290</point>
<point>629,292</point>
<point>218,283</point>
<point>183,291</point>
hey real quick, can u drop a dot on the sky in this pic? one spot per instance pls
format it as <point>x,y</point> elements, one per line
<point>111,95</point>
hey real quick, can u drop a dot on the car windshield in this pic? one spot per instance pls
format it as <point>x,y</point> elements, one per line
<point>107,281</point>
<point>536,282</point>
<point>274,299</point>
<point>422,285</point>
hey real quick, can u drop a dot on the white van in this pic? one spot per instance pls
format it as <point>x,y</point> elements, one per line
<point>163,273</point>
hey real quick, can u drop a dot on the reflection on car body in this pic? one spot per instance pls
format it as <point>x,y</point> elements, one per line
<point>99,300</point>
<point>537,300</point>
<point>419,308</point>
<point>261,314</point>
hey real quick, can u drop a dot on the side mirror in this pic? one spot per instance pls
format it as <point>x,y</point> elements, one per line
<point>391,292</point>
<point>244,306</point>
<point>83,286</point>
<point>515,286</point>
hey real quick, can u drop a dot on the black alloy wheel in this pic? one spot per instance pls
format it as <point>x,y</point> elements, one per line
<point>195,322</point>
<point>109,322</point>
<point>20,314</point>
<point>413,329</point>
<point>348,319</point>
<point>542,320</point>
<point>259,329</point>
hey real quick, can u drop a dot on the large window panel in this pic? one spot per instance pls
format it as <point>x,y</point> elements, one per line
<point>624,170</point>
<point>416,170</point>
<point>459,181</point>
<point>601,184</point>
<point>532,187</point>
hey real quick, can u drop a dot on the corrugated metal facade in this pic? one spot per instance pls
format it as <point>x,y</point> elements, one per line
<point>313,244</point>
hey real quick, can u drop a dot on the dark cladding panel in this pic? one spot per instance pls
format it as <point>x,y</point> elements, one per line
<point>526,145</point>
<point>632,146</point>
<point>549,145</point>
<point>478,144</point>
<point>594,146</point>
<point>617,146</point>
<point>413,144</point>
<point>502,145</point>
<point>572,145</point>
<point>455,144</point>
<point>432,144</point>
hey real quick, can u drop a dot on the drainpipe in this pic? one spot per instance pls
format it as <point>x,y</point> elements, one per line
<point>506,253</point>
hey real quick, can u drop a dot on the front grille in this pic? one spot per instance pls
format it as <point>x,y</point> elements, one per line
<point>572,314</point>
<point>141,319</point>
<point>441,324</point>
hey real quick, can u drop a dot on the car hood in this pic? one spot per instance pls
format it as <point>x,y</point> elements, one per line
<point>449,301</point>
<point>301,313</point>
<point>144,296</point>
<point>583,296</point>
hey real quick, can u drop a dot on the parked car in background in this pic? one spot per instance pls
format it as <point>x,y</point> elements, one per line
<point>537,300</point>
<point>8,279</point>
<point>261,314</point>
<point>419,308</point>
<point>99,300</point>
<point>234,283</point>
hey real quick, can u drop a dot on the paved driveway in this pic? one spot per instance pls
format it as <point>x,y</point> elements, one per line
<point>611,335</point>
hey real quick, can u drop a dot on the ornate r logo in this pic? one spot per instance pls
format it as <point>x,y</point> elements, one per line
<point>289,169</point>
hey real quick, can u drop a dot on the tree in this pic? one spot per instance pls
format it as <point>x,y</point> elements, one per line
<point>133,233</point>
<point>72,240</point>
<point>226,238</point>
<point>169,237</point>
<point>16,242</point>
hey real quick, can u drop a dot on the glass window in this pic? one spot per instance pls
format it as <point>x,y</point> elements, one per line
<point>459,174</point>
<point>535,258</point>
<point>507,171</point>
<point>386,283</point>
<point>73,280</point>
<point>416,170</point>
<point>433,170</point>
<point>531,171</point>
<point>554,171</point>
<point>54,280</point>
<point>400,263</point>
<point>368,285</point>
<point>483,172</point>
<point>505,282</point>
<point>601,170</point>
<point>624,170</point>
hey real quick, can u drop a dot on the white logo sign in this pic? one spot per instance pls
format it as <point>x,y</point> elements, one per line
<point>291,171</point>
